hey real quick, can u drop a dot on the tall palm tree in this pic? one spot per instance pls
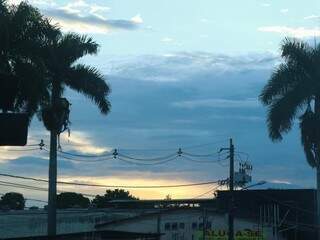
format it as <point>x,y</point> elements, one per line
<point>293,92</point>
<point>63,53</point>
<point>37,62</point>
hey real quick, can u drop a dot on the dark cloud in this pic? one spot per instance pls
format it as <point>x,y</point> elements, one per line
<point>144,116</point>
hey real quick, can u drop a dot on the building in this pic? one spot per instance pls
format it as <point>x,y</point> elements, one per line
<point>259,215</point>
<point>291,212</point>
<point>189,224</point>
<point>32,224</point>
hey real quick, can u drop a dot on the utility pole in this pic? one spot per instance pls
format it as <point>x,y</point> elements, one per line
<point>204,223</point>
<point>52,195</point>
<point>231,192</point>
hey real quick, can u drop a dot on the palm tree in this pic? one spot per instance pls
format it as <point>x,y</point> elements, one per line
<point>63,52</point>
<point>293,92</point>
<point>37,62</point>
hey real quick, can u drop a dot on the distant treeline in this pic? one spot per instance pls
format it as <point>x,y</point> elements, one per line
<point>16,201</point>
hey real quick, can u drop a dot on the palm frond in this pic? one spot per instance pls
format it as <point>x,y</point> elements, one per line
<point>309,129</point>
<point>73,46</point>
<point>299,53</point>
<point>88,81</point>
<point>33,87</point>
<point>286,77</point>
<point>282,111</point>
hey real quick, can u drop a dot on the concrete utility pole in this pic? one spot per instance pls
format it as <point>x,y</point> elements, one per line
<point>52,195</point>
<point>204,223</point>
<point>231,188</point>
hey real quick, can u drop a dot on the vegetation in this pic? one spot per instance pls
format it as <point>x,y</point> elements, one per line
<point>293,92</point>
<point>37,62</point>
<point>23,37</point>
<point>72,200</point>
<point>117,194</point>
<point>63,52</point>
<point>16,201</point>
<point>13,201</point>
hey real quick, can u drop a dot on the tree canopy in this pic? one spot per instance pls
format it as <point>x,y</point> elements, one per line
<point>117,194</point>
<point>36,58</point>
<point>293,92</point>
<point>12,201</point>
<point>72,200</point>
<point>24,34</point>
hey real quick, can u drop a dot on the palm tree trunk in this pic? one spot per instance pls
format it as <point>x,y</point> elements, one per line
<point>318,201</point>
<point>317,158</point>
<point>52,197</point>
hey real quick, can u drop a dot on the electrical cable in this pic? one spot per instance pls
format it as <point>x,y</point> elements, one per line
<point>200,155</point>
<point>22,150</point>
<point>110,186</point>
<point>85,155</point>
<point>203,161</point>
<point>148,159</point>
<point>86,160</point>
<point>82,160</point>
<point>205,193</point>
<point>30,187</point>
<point>148,164</point>
<point>244,153</point>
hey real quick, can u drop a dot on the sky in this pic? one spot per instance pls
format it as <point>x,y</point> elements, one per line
<point>183,74</point>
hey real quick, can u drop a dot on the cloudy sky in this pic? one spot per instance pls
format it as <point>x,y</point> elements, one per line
<point>183,74</point>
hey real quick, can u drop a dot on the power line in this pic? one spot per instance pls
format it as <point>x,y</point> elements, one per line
<point>30,187</point>
<point>200,155</point>
<point>203,161</point>
<point>110,186</point>
<point>86,155</point>
<point>82,160</point>
<point>148,159</point>
<point>148,164</point>
<point>22,150</point>
<point>205,193</point>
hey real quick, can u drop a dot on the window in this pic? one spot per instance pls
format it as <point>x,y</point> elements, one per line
<point>181,225</point>
<point>194,225</point>
<point>174,226</point>
<point>167,227</point>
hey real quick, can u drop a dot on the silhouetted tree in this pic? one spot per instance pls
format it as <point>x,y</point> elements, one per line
<point>37,62</point>
<point>24,33</point>
<point>71,200</point>
<point>13,201</point>
<point>117,194</point>
<point>293,92</point>
<point>63,52</point>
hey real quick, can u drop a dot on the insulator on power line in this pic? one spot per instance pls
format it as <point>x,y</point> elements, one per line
<point>179,152</point>
<point>115,153</point>
<point>41,144</point>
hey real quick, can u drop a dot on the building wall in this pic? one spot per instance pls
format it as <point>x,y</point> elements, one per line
<point>26,225</point>
<point>15,224</point>
<point>187,225</point>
